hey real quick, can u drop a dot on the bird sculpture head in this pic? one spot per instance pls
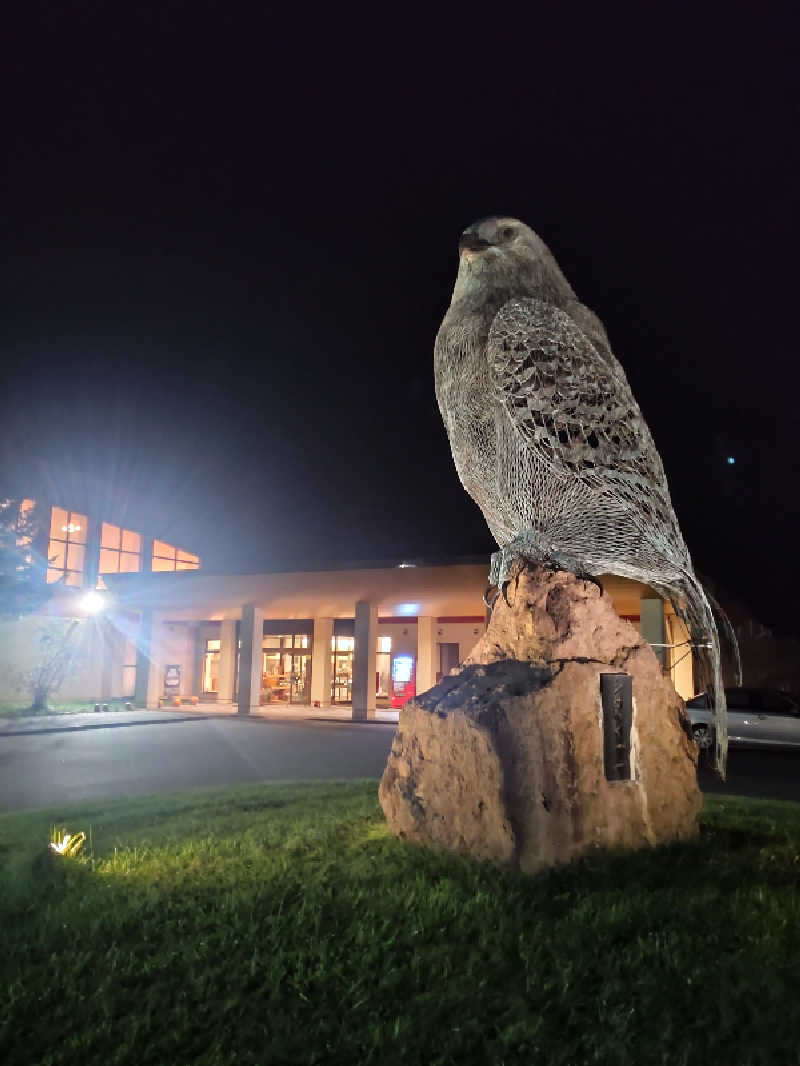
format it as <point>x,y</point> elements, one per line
<point>501,258</point>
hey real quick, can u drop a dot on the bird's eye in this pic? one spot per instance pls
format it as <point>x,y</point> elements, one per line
<point>507,233</point>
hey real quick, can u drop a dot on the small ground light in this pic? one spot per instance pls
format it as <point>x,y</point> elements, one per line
<point>67,844</point>
<point>731,460</point>
<point>93,602</point>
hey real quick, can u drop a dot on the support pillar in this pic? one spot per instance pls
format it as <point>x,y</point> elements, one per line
<point>155,672</point>
<point>227,660</point>
<point>426,666</point>
<point>143,642</point>
<point>251,635</point>
<point>112,652</point>
<point>321,661</point>
<point>652,626</point>
<point>199,645</point>
<point>188,686</point>
<point>364,663</point>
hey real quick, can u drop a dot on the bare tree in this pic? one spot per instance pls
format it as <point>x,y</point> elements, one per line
<point>57,659</point>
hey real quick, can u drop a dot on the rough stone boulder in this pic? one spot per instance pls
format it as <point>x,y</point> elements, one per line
<point>507,759</point>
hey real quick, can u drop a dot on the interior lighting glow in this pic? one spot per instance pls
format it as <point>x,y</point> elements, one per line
<point>410,609</point>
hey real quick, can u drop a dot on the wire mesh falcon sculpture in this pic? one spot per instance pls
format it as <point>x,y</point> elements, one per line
<point>548,439</point>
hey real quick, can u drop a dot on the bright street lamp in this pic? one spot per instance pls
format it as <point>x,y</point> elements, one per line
<point>93,602</point>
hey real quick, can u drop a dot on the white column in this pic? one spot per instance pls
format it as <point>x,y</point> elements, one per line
<point>321,662</point>
<point>109,640</point>
<point>114,646</point>
<point>199,644</point>
<point>187,674</point>
<point>365,647</point>
<point>227,660</point>
<point>251,634</point>
<point>155,674</point>
<point>143,641</point>
<point>426,665</point>
<point>652,626</point>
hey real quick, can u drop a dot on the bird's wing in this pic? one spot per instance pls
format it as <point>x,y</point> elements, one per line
<point>566,401</point>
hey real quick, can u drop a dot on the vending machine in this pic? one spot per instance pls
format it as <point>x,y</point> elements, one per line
<point>403,679</point>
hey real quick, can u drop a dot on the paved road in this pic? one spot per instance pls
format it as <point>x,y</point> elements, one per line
<point>770,774</point>
<point>46,766</point>
<point>51,762</point>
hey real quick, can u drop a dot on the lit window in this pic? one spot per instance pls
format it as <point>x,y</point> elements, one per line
<point>168,557</point>
<point>66,549</point>
<point>120,550</point>
<point>384,644</point>
<point>284,641</point>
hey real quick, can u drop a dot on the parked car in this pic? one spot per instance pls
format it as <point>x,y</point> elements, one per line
<point>757,717</point>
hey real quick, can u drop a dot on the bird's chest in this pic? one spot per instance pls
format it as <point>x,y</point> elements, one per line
<point>462,383</point>
<point>466,402</point>
<point>462,379</point>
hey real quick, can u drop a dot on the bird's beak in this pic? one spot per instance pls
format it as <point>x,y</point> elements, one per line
<point>471,242</point>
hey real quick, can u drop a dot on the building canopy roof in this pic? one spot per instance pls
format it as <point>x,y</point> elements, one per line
<point>454,590</point>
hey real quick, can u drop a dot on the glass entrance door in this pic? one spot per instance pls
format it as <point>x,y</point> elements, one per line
<point>342,669</point>
<point>286,668</point>
<point>286,677</point>
<point>299,677</point>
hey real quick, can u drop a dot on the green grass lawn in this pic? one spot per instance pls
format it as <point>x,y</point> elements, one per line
<point>281,924</point>
<point>15,708</point>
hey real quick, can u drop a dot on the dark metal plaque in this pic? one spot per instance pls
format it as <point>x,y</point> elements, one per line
<point>616,691</point>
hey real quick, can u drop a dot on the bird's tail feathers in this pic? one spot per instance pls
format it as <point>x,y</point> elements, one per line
<point>728,636</point>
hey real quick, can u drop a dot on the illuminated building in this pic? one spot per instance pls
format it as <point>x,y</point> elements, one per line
<point>363,637</point>
<point>75,549</point>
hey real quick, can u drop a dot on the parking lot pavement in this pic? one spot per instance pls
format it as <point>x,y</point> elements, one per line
<point>757,772</point>
<point>54,723</point>
<point>146,752</point>
<point>61,759</point>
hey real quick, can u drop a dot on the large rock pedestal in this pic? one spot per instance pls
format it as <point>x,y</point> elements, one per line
<point>505,760</point>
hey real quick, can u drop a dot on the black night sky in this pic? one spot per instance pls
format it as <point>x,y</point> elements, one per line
<point>230,236</point>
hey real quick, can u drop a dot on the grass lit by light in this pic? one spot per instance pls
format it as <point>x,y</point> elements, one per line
<point>282,923</point>
<point>18,709</point>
